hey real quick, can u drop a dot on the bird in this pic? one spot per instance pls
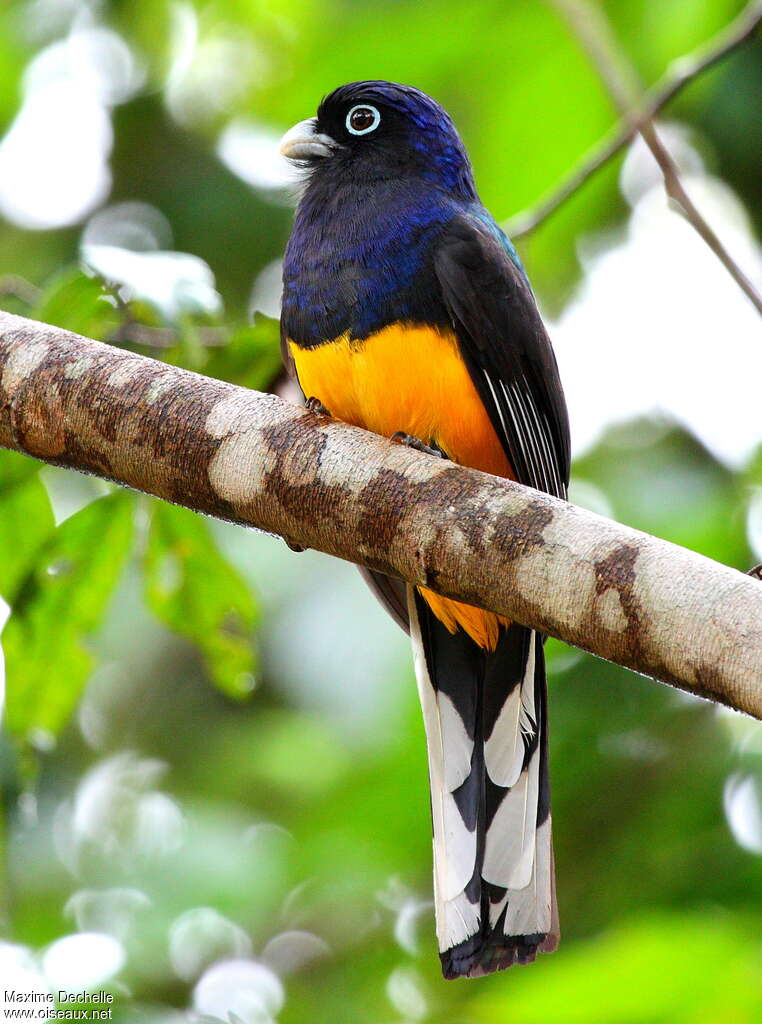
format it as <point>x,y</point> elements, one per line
<point>406,311</point>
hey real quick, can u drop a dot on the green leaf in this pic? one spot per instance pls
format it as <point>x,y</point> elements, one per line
<point>16,468</point>
<point>26,516</point>
<point>694,984</point>
<point>753,473</point>
<point>57,604</point>
<point>196,592</point>
<point>251,357</point>
<point>78,303</point>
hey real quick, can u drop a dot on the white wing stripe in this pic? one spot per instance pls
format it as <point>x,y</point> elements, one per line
<point>497,404</point>
<point>531,428</point>
<point>528,436</point>
<point>541,441</point>
<point>513,410</point>
<point>547,461</point>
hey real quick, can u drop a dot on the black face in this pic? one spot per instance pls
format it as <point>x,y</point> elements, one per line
<point>354,122</point>
<point>379,130</point>
<point>375,137</point>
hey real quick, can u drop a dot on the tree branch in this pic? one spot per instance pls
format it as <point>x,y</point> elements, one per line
<point>682,71</point>
<point>254,459</point>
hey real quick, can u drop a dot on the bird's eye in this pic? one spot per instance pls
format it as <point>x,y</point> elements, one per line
<point>362,119</point>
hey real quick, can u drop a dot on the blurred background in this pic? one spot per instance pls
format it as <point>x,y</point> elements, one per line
<point>213,766</point>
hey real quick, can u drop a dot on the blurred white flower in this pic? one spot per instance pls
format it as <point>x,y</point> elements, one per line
<point>252,152</point>
<point>267,290</point>
<point>408,909</point>
<point>132,225</point>
<point>54,157</point>
<point>211,66</point>
<point>174,282</point>
<point>110,911</point>
<point>48,19</point>
<point>239,989</point>
<point>116,813</point>
<point>290,951</point>
<point>405,993</point>
<point>82,961</point>
<point>202,936</point>
<point>159,825</point>
<point>94,58</point>
<point>20,971</point>
<point>741,798</point>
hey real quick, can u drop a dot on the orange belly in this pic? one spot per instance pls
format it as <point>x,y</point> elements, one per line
<point>411,378</point>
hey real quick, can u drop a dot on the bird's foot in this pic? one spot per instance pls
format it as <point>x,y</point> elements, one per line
<point>415,442</point>
<point>316,406</point>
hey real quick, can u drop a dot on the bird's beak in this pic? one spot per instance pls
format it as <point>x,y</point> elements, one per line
<point>304,142</point>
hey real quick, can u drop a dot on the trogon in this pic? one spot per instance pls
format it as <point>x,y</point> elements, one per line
<point>406,311</point>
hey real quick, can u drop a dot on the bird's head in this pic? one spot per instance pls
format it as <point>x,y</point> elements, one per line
<point>381,131</point>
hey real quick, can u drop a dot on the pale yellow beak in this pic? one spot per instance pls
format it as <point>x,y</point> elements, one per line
<point>304,142</point>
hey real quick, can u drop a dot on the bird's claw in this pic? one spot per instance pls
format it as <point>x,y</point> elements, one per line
<point>400,437</point>
<point>316,406</point>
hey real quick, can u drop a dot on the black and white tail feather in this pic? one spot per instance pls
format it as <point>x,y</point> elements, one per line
<point>486,731</point>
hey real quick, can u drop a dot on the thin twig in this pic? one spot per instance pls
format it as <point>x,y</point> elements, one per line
<point>18,287</point>
<point>676,191</point>
<point>594,33</point>
<point>682,71</point>
<point>132,332</point>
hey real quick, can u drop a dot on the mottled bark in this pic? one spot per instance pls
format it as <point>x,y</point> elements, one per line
<point>257,460</point>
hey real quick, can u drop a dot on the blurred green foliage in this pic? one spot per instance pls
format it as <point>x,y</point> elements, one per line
<point>60,593</point>
<point>277,695</point>
<point>192,589</point>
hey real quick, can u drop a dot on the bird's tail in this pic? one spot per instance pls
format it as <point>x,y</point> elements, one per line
<point>486,730</point>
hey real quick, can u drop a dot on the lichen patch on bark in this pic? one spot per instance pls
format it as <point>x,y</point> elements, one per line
<point>611,612</point>
<point>22,361</point>
<point>239,468</point>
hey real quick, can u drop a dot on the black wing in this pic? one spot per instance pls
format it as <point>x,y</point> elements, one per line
<point>507,351</point>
